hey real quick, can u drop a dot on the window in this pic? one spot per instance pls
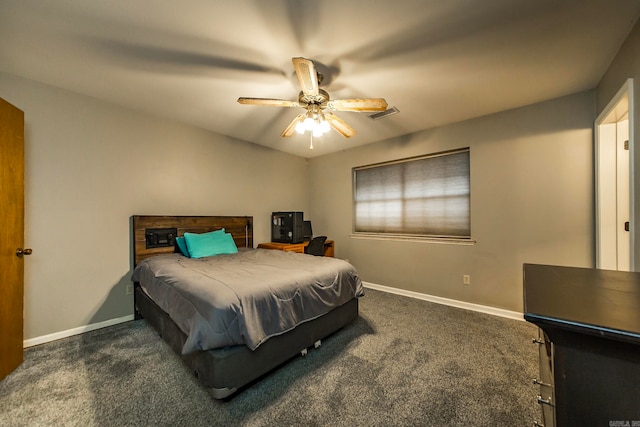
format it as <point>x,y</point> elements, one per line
<point>423,196</point>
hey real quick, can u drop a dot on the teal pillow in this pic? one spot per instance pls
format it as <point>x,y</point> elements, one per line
<point>210,244</point>
<point>182,245</point>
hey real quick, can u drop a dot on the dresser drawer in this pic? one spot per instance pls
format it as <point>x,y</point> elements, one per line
<point>546,395</point>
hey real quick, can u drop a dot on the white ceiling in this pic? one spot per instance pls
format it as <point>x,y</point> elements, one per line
<point>437,61</point>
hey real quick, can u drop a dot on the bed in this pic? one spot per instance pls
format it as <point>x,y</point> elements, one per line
<point>236,317</point>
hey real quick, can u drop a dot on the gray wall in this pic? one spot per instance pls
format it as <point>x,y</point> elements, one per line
<point>626,65</point>
<point>531,202</point>
<point>90,166</point>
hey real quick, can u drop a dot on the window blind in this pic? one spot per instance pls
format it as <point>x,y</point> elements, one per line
<point>425,196</point>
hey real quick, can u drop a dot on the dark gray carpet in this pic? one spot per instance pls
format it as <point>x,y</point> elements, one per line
<point>403,362</point>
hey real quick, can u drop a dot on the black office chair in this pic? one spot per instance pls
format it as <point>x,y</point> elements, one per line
<point>316,246</point>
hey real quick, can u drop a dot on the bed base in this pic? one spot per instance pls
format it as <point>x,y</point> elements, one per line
<point>228,369</point>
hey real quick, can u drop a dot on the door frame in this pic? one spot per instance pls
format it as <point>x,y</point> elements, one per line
<point>626,91</point>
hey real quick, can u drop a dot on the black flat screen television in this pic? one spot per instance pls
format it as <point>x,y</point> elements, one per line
<point>307,231</point>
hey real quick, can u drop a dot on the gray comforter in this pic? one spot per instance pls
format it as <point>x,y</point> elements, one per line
<point>247,297</point>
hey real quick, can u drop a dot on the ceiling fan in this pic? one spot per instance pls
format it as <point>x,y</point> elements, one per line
<point>318,117</point>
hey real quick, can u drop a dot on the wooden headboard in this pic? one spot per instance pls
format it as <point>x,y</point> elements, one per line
<point>240,227</point>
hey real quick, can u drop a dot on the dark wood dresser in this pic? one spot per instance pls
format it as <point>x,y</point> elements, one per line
<point>589,344</point>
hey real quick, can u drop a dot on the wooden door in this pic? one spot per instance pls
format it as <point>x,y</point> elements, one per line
<point>11,236</point>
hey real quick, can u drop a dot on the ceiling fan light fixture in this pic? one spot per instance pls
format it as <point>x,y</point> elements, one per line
<point>318,118</point>
<point>314,122</point>
<point>309,123</point>
<point>324,125</point>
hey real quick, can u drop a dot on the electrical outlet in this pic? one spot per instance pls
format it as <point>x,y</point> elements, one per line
<point>129,289</point>
<point>466,279</point>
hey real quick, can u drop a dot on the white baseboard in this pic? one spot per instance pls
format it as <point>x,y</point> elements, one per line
<point>75,331</point>
<point>446,301</point>
<point>439,300</point>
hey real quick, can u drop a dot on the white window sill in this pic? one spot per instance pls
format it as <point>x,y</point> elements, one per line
<point>420,239</point>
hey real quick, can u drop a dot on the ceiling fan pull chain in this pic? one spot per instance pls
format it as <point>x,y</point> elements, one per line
<point>311,141</point>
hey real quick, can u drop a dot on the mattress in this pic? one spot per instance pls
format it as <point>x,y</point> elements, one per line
<point>245,298</point>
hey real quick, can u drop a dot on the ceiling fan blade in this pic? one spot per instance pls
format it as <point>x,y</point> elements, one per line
<point>292,126</point>
<point>269,102</point>
<point>339,125</point>
<point>357,104</point>
<point>307,75</point>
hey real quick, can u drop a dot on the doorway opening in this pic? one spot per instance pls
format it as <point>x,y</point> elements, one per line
<point>614,150</point>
